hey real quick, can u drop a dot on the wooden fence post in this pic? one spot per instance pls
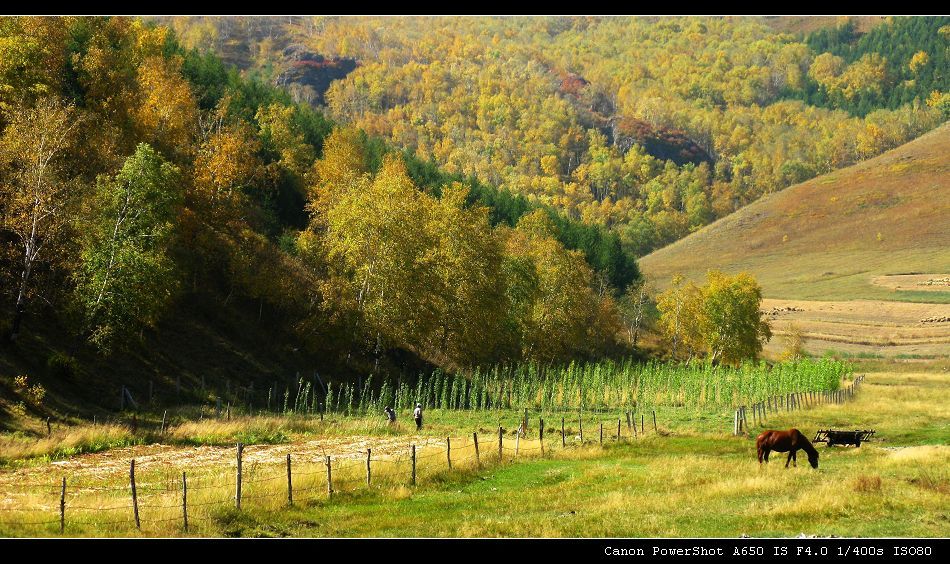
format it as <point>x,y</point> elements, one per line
<point>135,499</point>
<point>563,440</point>
<point>290,483</point>
<point>413,465</point>
<point>735,424</point>
<point>601,434</point>
<point>329,479</point>
<point>541,434</point>
<point>369,472</point>
<point>500,439</point>
<point>62,508</point>
<point>654,422</point>
<point>164,415</point>
<point>641,423</point>
<point>618,429</point>
<point>448,451</point>
<point>477,459</point>
<point>184,500</point>
<point>517,442</point>
<point>580,426</point>
<point>240,475</point>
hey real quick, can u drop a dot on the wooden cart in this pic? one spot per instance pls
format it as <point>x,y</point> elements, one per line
<point>840,437</point>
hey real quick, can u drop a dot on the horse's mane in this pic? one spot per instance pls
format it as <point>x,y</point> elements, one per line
<point>806,445</point>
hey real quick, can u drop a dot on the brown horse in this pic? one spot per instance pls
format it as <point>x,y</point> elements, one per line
<point>790,441</point>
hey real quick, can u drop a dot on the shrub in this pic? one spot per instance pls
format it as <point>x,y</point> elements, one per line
<point>61,366</point>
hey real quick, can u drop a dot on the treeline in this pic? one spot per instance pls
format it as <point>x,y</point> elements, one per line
<point>134,171</point>
<point>534,105</point>
<point>894,63</point>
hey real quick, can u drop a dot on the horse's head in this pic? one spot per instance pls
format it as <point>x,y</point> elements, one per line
<point>813,459</point>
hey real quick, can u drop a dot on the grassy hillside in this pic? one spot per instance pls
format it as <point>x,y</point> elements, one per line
<point>828,238</point>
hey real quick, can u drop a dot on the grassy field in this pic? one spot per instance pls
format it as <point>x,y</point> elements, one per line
<point>863,252</point>
<point>692,478</point>
<point>830,237</point>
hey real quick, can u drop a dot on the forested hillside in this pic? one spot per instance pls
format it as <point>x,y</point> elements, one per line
<point>144,185</point>
<point>651,127</point>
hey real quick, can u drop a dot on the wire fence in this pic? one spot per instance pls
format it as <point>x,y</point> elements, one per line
<point>160,502</point>
<point>171,501</point>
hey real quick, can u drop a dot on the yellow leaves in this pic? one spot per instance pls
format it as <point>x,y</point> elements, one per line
<point>167,111</point>
<point>225,163</point>
<point>280,133</point>
<point>720,319</point>
<point>918,61</point>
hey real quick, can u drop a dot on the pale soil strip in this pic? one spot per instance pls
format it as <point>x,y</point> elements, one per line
<point>115,462</point>
<point>914,282</point>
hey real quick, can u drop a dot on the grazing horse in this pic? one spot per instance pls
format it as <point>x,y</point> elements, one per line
<point>790,441</point>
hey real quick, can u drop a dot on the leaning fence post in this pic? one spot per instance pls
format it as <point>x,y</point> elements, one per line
<point>62,508</point>
<point>517,442</point>
<point>413,465</point>
<point>369,473</point>
<point>448,451</point>
<point>184,500</point>
<point>290,483</point>
<point>237,494</point>
<point>135,499</point>
<point>164,415</point>
<point>654,421</point>
<point>475,438</point>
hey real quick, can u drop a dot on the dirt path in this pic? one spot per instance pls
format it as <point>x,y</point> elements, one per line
<point>114,463</point>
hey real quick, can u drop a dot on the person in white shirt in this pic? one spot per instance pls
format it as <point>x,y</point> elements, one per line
<point>417,415</point>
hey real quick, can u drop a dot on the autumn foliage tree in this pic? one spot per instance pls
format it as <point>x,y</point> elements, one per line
<point>720,320</point>
<point>38,192</point>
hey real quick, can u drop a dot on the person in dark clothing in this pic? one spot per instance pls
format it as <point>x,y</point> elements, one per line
<point>390,415</point>
<point>417,415</point>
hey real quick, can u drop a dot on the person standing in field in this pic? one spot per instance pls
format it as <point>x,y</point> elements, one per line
<point>417,415</point>
<point>390,415</point>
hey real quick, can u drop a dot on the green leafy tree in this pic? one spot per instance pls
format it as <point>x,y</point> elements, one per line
<point>126,277</point>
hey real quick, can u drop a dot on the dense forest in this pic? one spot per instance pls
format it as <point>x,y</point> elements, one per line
<point>136,174</point>
<point>650,127</point>
<point>463,191</point>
